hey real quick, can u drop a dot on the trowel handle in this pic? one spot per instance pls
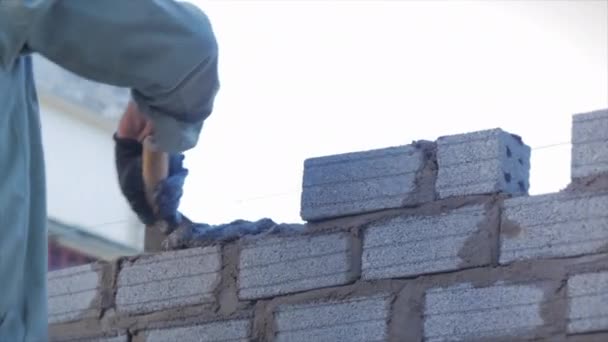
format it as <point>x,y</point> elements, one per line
<point>155,168</point>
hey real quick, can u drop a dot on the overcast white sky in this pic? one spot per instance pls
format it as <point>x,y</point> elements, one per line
<point>312,78</point>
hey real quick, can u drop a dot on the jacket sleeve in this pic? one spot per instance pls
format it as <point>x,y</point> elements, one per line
<point>164,50</point>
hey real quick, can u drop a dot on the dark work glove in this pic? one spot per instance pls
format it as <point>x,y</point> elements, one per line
<point>128,154</point>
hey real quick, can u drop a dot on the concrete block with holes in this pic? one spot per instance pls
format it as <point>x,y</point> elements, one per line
<point>413,245</point>
<point>356,319</point>
<point>167,280</point>
<point>365,181</point>
<point>76,336</point>
<point>238,330</point>
<point>590,144</point>
<point>121,338</point>
<point>483,162</point>
<point>280,265</point>
<point>466,312</point>
<point>553,226</point>
<point>74,293</point>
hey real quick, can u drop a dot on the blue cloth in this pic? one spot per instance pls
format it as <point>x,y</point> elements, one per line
<point>164,50</point>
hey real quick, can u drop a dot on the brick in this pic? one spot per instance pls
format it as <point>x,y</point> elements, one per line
<point>588,296</point>
<point>596,337</point>
<point>222,331</point>
<point>589,144</point>
<point>361,182</point>
<point>170,279</point>
<point>464,313</point>
<point>407,246</point>
<point>482,162</point>
<point>554,225</point>
<point>353,320</point>
<point>74,293</point>
<point>281,265</point>
<point>121,338</point>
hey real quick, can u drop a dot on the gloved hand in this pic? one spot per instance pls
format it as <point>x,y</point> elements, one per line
<point>167,195</point>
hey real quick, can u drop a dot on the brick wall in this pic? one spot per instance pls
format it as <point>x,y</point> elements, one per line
<point>434,241</point>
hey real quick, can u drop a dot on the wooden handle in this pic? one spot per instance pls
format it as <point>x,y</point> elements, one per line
<point>155,168</point>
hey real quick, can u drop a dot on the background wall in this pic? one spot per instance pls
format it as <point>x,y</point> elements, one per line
<point>78,119</point>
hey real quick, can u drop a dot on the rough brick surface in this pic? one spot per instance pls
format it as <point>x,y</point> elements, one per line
<point>122,338</point>
<point>465,313</point>
<point>353,320</point>
<point>590,144</point>
<point>170,279</point>
<point>281,265</point>
<point>222,331</point>
<point>366,181</point>
<point>406,246</point>
<point>588,295</point>
<point>555,225</point>
<point>482,162</point>
<point>74,293</point>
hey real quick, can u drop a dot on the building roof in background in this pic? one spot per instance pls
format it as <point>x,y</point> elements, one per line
<point>105,101</point>
<point>79,239</point>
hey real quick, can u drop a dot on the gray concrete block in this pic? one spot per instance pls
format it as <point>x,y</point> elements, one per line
<point>120,338</point>
<point>352,320</point>
<point>414,245</point>
<point>554,225</point>
<point>123,338</point>
<point>221,331</point>
<point>360,182</point>
<point>281,265</point>
<point>465,313</point>
<point>589,144</point>
<point>588,296</point>
<point>482,162</point>
<point>170,279</point>
<point>74,293</point>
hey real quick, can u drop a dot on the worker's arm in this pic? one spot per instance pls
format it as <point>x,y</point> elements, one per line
<point>164,50</point>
